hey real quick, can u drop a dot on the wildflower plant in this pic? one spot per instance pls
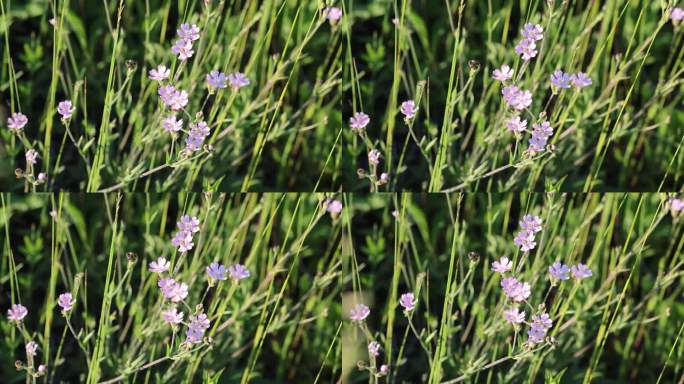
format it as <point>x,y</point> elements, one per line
<point>178,311</point>
<point>466,303</point>
<point>174,96</point>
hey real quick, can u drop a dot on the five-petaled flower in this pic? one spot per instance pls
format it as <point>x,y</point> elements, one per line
<point>502,74</point>
<point>17,312</point>
<point>408,301</point>
<point>160,265</point>
<point>359,312</point>
<point>514,316</point>
<point>559,271</point>
<point>238,272</point>
<point>17,121</point>
<point>65,108</point>
<point>238,80</point>
<point>408,109</point>
<point>172,316</point>
<point>217,79</point>
<point>66,301</point>
<point>502,266</point>
<point>580,271</point>
<point>160,73</point>
<point>359,121</point>
<point>216,271</point>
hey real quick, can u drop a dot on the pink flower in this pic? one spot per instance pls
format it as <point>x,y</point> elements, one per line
<point>374,157</point>
<point>408,301</point>
<point>31,348</point>
<point>333,14</point>
<point>65,109</point>
<point>514,316</point>
<point>172,316</point>
<point>334,206</point>
<point>502,74</point>
<point>409,109</point>
<point>516,125</point>
<point>677,14</point>
<point>359,312</point>
<point>527,49</point>
<point>373,348</point>
<point>532,31</point>
<point>580,271</point>
<point>187,32</point>
<point>160,73</point>
<point>559,271</point>
<point>238,272</point>
<point>31,156</point>
<point>17,121</point>
<point>183,48</point>
<point>17,312</point>
<point>359,121</point>
<point>580,80</point>
<point>171,124</point>
<point>502,266</point>
<point>66,301</point>
<point>159,266</point>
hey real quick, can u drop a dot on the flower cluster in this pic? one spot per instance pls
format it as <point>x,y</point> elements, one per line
<point>540,136</point>
<point>563,80</point>
<point>516,98</point>
<point>172,289</point>
<point>198,132</point>
<point>198,325</point>
<point>183,45</point>
<point>173,98</point>
<point>16,314</point>
<point>187,227</point>
<point>525,239</point>
<point>538,328</point>
<point>527,47</point>
<point>561,272</point>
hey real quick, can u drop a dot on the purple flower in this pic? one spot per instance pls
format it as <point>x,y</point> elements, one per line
<point>580,80</point>
<point>171,124</point>
<point>532,31</point>
<point>543,129</point>
<point>31,348</point>
<point>374,157</point>
<point>194,335</point>
<point>160,73</point>
<point>536,335</point>
<point>527,49</point>
<point>217,79</point>
<point>502,74</point>
<point>560,79</point>
<point>159,266</point>
<point>540,324</point>
<point>17,121</point>
<point>65,109</point>
<point>188,223</point>
<point>409,109</point>
<point>333,14</point>
<point>183,241</point>
<point>238,272</point>
<point>408,301</point>
<point>677,14</point>
<point>514,316</point>
<point>515,290</point>
<point>517,98</point>
<point>525,240</point>
<point>516,125</point>
<point>359,312</point>
<point>359,121</point>
<point>66,301</point>
<point>373,348</point>
<point>334,206</point>
<point>17,312</point>
<point>531,223</point>
<point>238,80</point>
<point>187,32</point>
<point>217,271</point>
<point>198,132</point>
<point>559,271</point>
<point>537,143</point>
<point>543,320</point>
<point>31,156</point>
<point>173,290</point>
<point>200,321</point>
<point>580,271</point>
<point>173,98</point>
<point>42,369</point>
<point>502,266</point>
<point>198,325</point>
<point>172,316</point>
<point>183,48</point>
